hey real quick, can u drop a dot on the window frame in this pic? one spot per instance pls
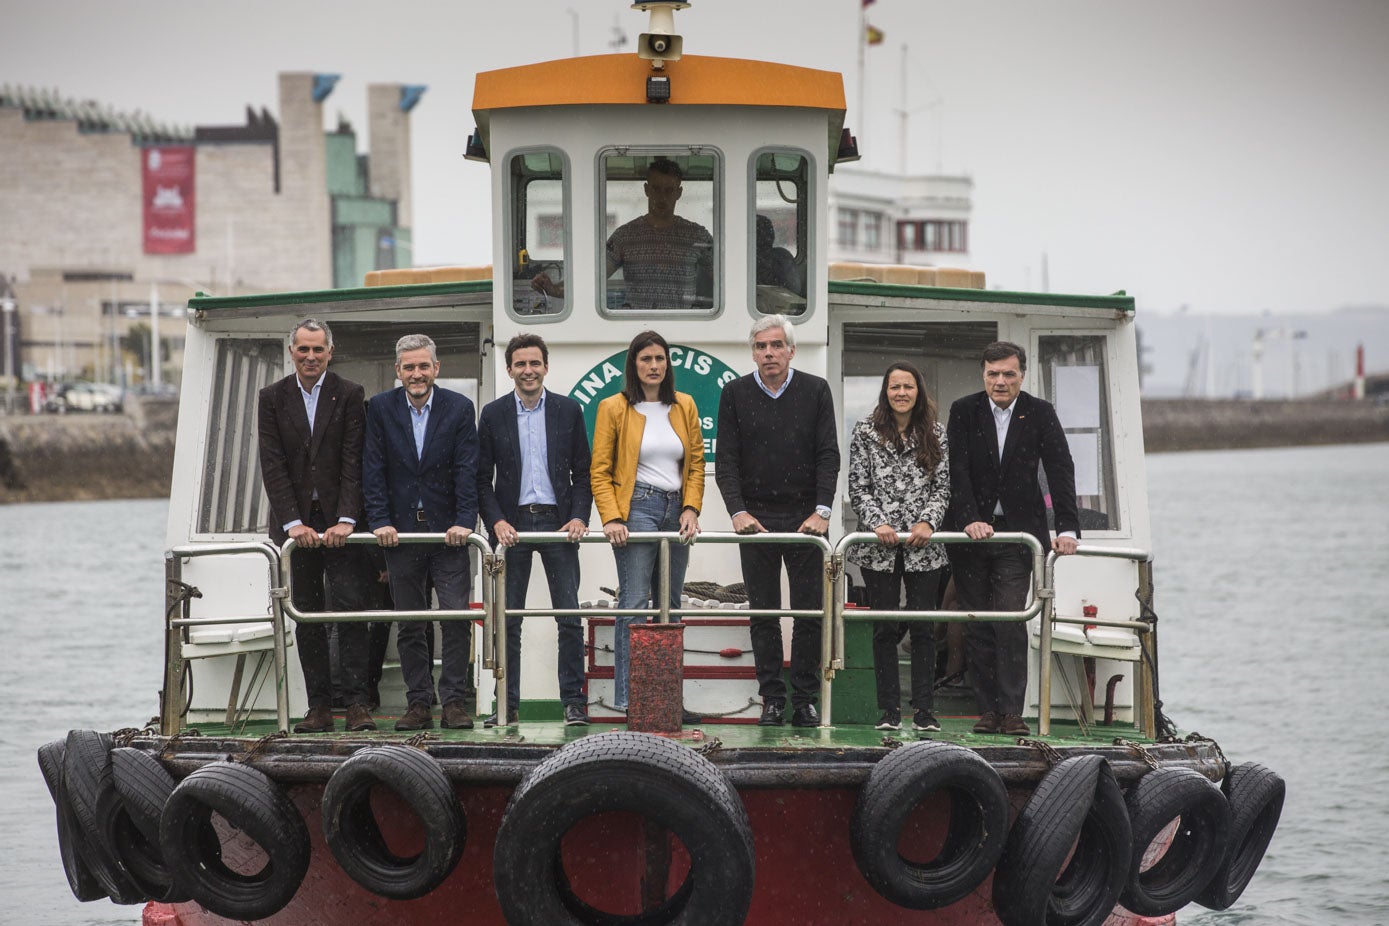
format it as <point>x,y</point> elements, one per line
<point>509,196</point>
<point>719,291</point>
<point>807,240</point>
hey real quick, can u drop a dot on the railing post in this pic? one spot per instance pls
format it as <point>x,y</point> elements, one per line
<point>827,587</point>
<point>1147,679</point>
<point>499,654</point>
<point>663,584</point>
<point>1044,671</point>
<point>277,625</point>
<point>171,698</point>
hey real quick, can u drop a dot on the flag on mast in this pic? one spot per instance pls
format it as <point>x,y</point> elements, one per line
<point>872,34</point>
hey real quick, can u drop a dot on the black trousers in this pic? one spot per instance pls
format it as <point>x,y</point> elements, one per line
<point>885,594</point>
<point>331,580</point>
<point>994,577</point>
<point>762,565</point>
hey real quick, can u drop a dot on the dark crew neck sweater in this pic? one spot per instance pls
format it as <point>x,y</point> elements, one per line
<point>777,456</point>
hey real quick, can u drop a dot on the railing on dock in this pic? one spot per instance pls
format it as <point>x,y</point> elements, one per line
<point>495,614</point>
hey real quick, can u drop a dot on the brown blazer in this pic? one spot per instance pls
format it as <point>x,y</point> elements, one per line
<point>295,463</point>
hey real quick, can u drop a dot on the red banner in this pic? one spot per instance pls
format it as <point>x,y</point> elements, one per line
<point>168,200</point>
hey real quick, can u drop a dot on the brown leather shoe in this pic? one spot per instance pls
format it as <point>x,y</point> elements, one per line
<point>455,717</point>
<point>417,717</point>
<point>359,718</point>
<point>988,723</point>
<point>1013,725</point>
<point>317,720</point>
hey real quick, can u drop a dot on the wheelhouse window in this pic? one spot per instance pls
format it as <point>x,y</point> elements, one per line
<point>539,235</point>
<point>1075,378</point>
<point>232,501</point>
<point>660,222</point>
<point>779,265</point>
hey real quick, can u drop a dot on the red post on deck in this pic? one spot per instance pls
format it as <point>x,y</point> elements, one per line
<point>655,674</point>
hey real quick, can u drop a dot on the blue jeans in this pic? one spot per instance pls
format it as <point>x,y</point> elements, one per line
<point>637,564</point>
<point>561,562</point>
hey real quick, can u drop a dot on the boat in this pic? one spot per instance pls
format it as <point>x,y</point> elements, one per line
<point>214,813</point>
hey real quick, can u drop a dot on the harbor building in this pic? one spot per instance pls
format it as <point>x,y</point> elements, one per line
<point>113,220</point>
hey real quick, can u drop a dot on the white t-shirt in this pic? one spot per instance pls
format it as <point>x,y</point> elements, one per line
<point>662,457</point>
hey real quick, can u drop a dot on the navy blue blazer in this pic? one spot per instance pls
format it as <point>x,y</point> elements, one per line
<point>566,445</point>
<point>443,478</point>
<point>979,479</point>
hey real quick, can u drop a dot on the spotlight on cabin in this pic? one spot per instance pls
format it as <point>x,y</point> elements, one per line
<point>658,89</point>
<point>475,150</point>
<point>848,148</point>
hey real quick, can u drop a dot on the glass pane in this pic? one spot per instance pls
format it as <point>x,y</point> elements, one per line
<point>232,500</point>
<point>779,258</point>
<point>1074,373</point>
<point>660,256</point>
<point>539,235</point>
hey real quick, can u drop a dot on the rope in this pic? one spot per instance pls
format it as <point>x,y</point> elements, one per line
<point>1146,614</point>
<point>617,710</point>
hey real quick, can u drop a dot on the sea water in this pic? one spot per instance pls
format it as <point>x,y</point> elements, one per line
<point>1272,570</point>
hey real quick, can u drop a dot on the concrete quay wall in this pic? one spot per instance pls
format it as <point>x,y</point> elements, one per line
<point>85,457</point>
<point>82,457</point>
<point>1226,424</point>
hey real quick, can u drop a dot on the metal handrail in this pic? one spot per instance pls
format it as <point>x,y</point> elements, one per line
<point>495,613</point>
<point>171,709</point>
<point>1143,557</point>
<point>663,611</point>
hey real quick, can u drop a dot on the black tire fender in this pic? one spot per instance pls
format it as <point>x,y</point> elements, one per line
<point>253,804</point>
<point>91,793</point>
<point>143,786</point>
<point>1255,795</point>
<point>81,881</point>
<point>1197,849</point>
<point>973,842</point>
<point>647,775</point>
<point>355,839</point>
<point>1068,851</point>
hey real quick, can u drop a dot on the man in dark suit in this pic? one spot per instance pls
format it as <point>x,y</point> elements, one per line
<point>419,475</point>
<point>310,427</point>
<point>997,439</point>
<point>536,444</point>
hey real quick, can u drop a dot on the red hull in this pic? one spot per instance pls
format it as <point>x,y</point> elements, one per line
<point>806,874</point>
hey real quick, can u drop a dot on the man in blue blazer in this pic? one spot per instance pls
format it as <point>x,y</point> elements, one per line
<point>997,440</point>
<point>534,443</point>
<point>419,475</point>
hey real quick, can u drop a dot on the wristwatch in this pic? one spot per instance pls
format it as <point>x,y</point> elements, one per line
<point>823,511</point>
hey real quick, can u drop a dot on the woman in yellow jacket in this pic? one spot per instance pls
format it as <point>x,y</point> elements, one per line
<point>647,475</point>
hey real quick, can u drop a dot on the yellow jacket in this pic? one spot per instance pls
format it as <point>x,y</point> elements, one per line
<point>617,443</point>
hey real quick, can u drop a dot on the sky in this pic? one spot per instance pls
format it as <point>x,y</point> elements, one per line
<point>1223,157</point>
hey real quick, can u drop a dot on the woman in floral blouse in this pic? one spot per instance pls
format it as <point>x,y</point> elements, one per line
<point>899,482</point>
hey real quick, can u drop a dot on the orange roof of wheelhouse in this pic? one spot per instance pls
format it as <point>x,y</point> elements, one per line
<point>621,79</point>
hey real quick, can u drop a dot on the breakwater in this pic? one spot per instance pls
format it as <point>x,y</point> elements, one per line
<point>1232,424</point>
<point>80,457</point>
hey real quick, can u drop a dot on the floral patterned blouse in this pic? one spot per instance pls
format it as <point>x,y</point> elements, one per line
<point>887,487</point>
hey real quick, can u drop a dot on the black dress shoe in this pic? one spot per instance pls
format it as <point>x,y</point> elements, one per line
<point>417,717</point>
<point>805,716</point>
<point>575,715</point>
<point>773,714</point>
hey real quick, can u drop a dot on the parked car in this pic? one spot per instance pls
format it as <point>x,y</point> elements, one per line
<point>87,397</point>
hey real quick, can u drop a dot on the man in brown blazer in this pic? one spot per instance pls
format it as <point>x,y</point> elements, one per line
<point>311,427</point>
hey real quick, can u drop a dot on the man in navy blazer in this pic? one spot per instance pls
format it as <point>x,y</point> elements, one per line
<point>419,475</point>
<point>535,443</point>
<point>997,439</point>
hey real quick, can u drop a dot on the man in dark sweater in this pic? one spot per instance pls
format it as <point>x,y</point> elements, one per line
<point>777,463</point>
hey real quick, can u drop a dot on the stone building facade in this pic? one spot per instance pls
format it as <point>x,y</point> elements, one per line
<point>280,205</point>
